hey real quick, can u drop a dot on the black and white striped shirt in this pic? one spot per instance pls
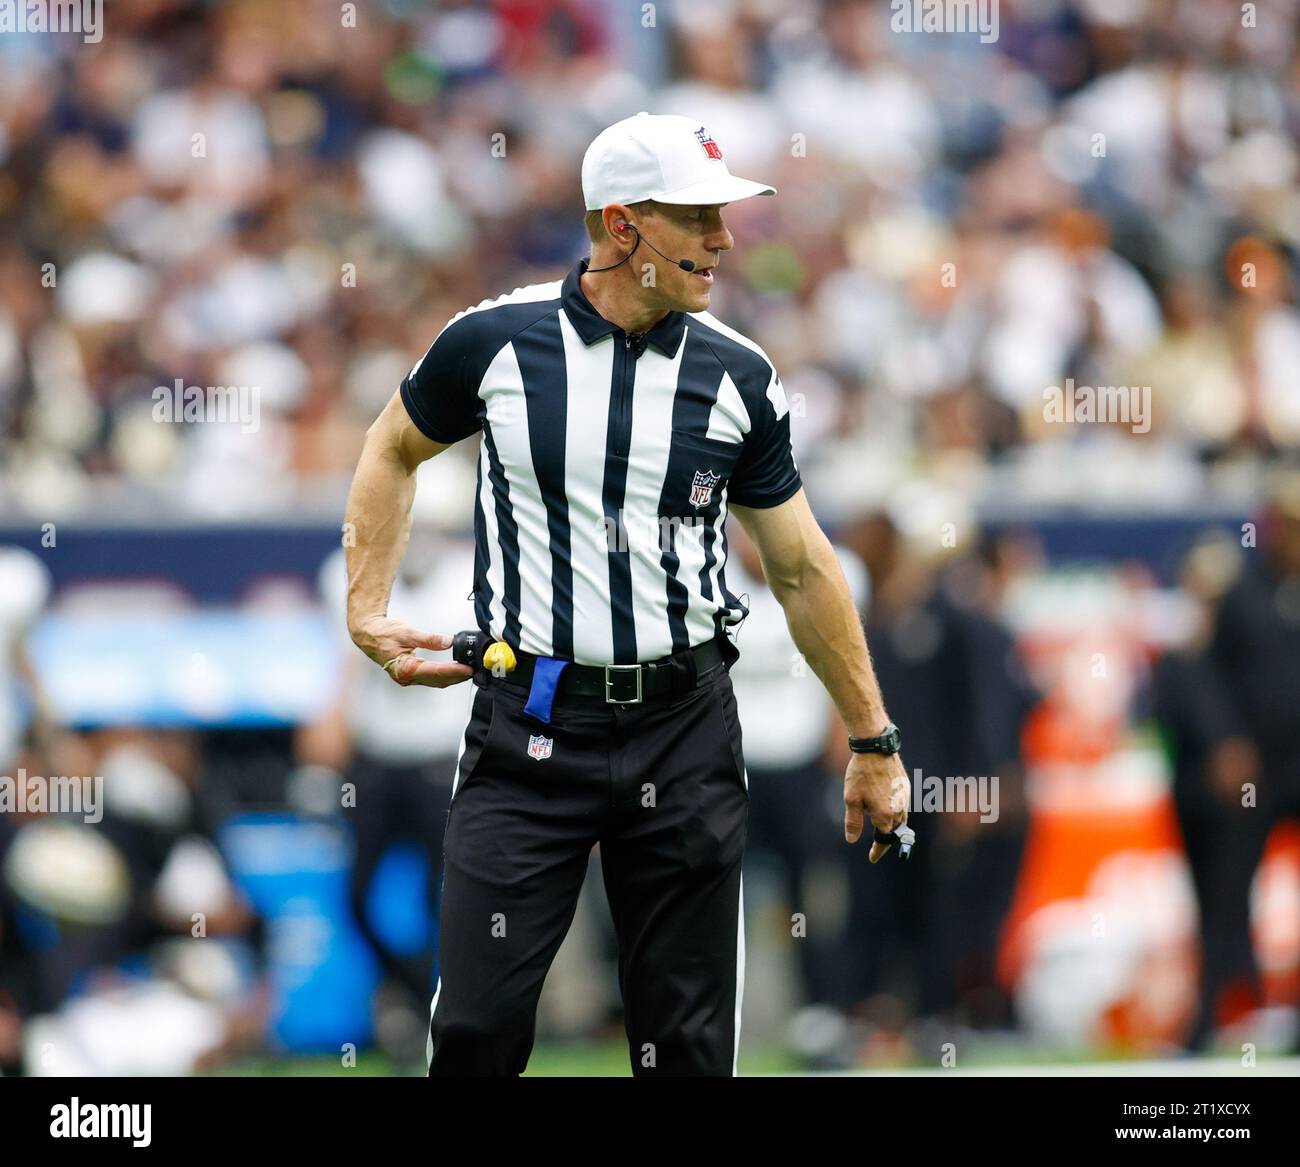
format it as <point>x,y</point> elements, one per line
<point>606,467</point>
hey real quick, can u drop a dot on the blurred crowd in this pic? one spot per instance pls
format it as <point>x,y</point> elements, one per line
<point>295,197</point>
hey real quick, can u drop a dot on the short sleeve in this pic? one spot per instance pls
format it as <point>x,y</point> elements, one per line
<point>766,474</point>
<point>441,391</point>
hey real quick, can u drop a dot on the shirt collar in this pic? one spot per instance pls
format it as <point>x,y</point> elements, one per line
<point>592,326</point>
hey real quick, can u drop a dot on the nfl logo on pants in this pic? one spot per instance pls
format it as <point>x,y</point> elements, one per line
<point>539,747</point>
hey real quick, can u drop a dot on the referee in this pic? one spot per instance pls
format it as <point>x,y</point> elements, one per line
<point>620,423</point>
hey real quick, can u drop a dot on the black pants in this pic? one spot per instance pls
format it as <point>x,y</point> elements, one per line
<point>661,788</point>
<point>1225,845</point>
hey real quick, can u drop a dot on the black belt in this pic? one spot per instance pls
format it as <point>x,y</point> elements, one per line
<point>625,684</point>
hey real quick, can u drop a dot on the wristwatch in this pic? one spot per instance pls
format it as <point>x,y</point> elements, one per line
<point>889,742</point>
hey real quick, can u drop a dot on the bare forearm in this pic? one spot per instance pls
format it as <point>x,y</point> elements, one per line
<point>378,526</point>
<point>827,630</point>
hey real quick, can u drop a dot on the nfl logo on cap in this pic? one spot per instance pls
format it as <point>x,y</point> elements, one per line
<point>539,747</point>
<point>711,148</point>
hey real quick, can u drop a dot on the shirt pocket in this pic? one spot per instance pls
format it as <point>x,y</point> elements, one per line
<point>699,470</point>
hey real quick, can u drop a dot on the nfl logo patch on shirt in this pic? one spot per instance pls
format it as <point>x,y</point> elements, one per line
<point>702,488</point>
<point>539,747</point>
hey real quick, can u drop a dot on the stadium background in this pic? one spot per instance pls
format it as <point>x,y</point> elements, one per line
<point>294,197</point>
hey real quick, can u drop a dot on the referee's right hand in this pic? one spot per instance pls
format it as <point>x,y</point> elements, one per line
<point>392,644</point>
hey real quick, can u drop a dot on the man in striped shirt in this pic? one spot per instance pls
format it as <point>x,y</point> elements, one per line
<point>621,423</point>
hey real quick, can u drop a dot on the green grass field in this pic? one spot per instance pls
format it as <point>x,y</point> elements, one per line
<point>603,1060</point>
<point>609,1059</point>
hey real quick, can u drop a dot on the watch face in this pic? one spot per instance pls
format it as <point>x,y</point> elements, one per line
<point>893,739</point>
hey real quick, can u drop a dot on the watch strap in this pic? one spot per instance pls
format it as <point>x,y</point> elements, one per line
<point>887,743</point>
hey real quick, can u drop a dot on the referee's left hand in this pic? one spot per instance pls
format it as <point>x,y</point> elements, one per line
<point>392,644</point>
<point>875,787</point>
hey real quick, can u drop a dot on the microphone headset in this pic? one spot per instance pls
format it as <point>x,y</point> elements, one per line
<point>686,265</point>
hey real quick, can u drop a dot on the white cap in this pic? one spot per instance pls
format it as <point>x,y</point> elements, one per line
<point>664,157</point>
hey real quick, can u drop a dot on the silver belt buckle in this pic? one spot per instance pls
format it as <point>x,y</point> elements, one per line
<point>608,685</point>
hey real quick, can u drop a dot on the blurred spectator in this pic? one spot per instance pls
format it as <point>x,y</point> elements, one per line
<point>926,931</point>
<point>23,589</point>
<point>1211,759</point>
<point>796,801</point>
<point>1231,713</point>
